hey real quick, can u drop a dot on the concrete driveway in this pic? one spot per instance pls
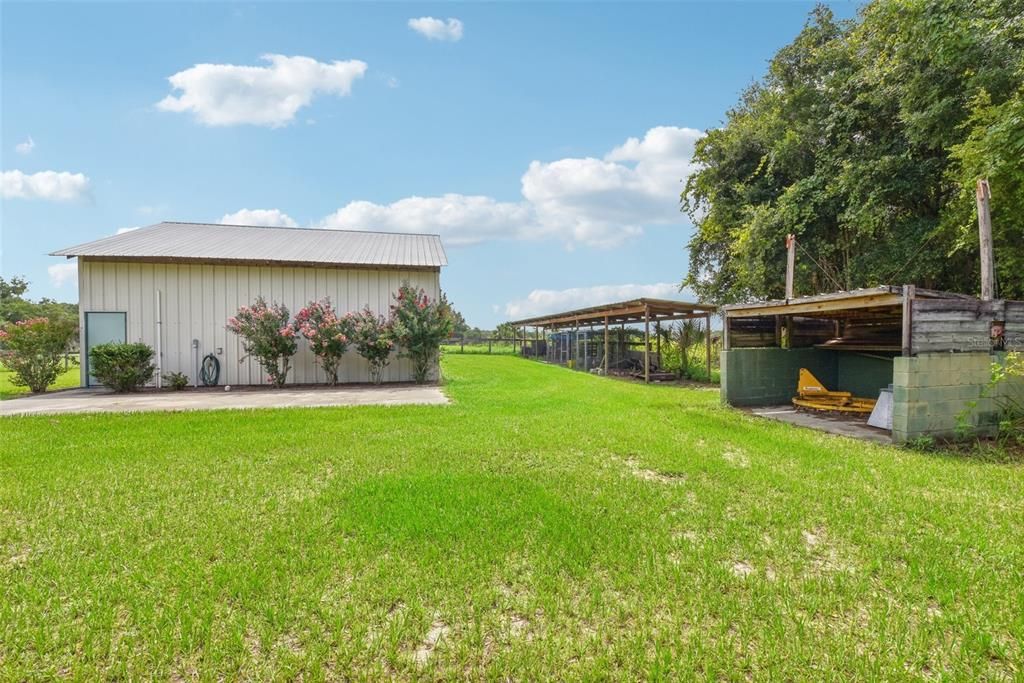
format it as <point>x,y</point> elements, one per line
<point>104,401</point>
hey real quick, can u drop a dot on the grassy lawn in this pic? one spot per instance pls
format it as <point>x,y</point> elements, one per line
<point>65,380</point>
<point>495,348</point>
<point>547,524</point>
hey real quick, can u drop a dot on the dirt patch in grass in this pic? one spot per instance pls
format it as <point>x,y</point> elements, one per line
<point>653,475</point>
<point>736,457</point>
<point>741,569</point>
<point>827,556</point>
<point>438,630</point>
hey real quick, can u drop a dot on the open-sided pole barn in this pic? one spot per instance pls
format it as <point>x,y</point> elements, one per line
<point>635,311</point>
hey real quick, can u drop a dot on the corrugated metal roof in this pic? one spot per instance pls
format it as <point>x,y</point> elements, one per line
<point>216,242</point>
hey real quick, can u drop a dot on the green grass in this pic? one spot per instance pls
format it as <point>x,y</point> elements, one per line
<point>547,524</point>
<point>495,348</point>
<point>65,380</point>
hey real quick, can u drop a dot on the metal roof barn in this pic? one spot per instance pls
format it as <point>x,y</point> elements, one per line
<point>174,286</point>
<point>199,242</point>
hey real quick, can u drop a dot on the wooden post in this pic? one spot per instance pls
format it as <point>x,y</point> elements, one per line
<point>908,309</point>
<point>536,342</point>
<point>657,341</point>
<point>778,331</point>
<point>684,362</point>
<point>606,346</point>
<point>988,269</point>
<point>647,343</point>
<point>707,342</point>
<point>725,332</point>
<point>489,341</point>
<point>790,264</point>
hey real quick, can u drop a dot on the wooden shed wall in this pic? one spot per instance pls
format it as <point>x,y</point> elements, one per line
<point>939,325</point>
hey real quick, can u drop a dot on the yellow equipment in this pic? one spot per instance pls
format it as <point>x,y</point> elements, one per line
<point>810,393</point>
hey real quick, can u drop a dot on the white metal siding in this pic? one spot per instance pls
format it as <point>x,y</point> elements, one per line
<point>198,300</point>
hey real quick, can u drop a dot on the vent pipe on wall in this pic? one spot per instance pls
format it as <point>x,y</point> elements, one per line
<point>159,339</point>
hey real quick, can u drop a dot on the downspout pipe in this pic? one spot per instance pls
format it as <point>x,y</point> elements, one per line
<point>159,339</point>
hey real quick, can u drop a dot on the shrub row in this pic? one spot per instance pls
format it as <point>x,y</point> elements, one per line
<point>415,325</point>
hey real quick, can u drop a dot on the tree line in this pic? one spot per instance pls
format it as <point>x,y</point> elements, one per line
<point>865,139</point>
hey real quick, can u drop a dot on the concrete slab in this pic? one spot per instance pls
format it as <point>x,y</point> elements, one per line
<point>104,401</point>
<point>845,425</point>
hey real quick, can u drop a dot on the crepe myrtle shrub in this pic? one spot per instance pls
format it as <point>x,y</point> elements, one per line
<point>122,367</point>
<point>32,350</point>
<point>420,325</point>
<point>267,336</point>
<point>373,337</point>
<point>328,334</point>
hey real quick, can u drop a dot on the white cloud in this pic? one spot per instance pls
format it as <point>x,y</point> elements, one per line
<point>62,273</point>
<point>546,301</point>
<point>596,202</point>
<point>603,202</point>
<point>50,185</point>
<point>121,231</point>
<point>227,94</point>
<point>26,146</point>
<point>460,219</point>
<point>437,29</point>
<point>274,218</point>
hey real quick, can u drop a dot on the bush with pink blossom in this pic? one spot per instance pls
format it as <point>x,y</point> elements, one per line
<point>420,325</point>
<point>372,335</point>
<point>32,349</point>
<point>328,334</point>
<point>267,336</point>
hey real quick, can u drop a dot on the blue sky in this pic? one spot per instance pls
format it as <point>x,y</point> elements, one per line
<point>545,142</point>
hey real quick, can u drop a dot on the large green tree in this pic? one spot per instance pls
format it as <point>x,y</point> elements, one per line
<point>14,307</point>
<point>865,139</point>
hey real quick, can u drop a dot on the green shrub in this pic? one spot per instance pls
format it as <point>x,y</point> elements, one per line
<point>122,367</point>
<point>33,350</point>
<point>176,380</point>
<point>420,325</point>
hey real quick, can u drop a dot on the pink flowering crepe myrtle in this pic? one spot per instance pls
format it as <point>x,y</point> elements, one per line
<point>33,349</point>
<point>327,333</point>
<point>267,336</point>
<point>373,336</point>
<point>420,325</point>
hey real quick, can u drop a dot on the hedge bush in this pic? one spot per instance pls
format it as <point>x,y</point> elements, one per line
<point>122,367</point>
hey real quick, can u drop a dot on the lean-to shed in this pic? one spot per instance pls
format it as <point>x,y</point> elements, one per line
<point>935,348</point>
